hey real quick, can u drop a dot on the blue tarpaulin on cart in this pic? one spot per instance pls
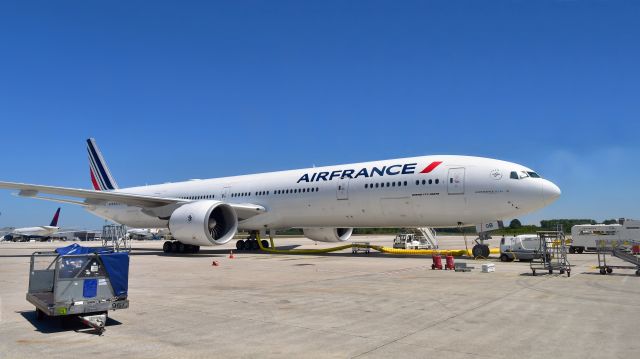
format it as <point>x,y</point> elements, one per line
<point>115,263</point>
<point>117,266</point>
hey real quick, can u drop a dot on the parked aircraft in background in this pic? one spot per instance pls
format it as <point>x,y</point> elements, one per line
<point>41,232</point>
<point>326,202</point>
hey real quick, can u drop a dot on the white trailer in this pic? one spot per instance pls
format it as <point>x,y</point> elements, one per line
<point>584,236</point>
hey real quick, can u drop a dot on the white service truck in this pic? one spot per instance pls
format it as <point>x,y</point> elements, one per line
<point>522,247</point>
<point>584,236</point>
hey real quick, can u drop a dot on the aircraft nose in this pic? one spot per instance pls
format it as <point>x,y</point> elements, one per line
<point>550,192</point>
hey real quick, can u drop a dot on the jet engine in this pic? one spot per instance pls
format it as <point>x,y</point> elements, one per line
<point>203,223</point>
<point>322,234</point>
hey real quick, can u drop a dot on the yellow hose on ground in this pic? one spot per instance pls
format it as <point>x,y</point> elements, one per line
<point>427,252</point>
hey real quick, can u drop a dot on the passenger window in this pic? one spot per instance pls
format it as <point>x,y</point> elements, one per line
<point>430,181</point>
<point>437,181</point>
<point>417,182</point>
<point>450,180</point>
<point>424,182</point>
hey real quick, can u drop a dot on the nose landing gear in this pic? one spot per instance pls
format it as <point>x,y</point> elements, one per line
<point>481,249</point>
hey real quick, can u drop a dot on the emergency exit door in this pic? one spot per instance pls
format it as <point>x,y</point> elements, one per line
<point>455,181</point>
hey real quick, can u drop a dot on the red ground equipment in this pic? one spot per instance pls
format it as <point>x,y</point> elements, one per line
<point>437,261</point>
<point>449,263</point>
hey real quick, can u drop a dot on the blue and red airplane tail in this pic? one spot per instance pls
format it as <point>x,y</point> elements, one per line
<point>101,177</point>
<point>54,221</point>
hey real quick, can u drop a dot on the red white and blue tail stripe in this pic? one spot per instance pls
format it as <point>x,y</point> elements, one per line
<point>101,177</point>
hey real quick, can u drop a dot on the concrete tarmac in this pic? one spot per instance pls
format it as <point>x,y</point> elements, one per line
<point>338,305</point>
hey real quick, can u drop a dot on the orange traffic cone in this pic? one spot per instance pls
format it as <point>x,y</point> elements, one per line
<point>214,264</point>
<point>231,255</point>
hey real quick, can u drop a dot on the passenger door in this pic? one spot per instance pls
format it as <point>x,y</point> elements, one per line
<point>455,181</point>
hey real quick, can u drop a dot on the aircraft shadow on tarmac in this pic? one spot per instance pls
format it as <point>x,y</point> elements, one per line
<point>51,325</point>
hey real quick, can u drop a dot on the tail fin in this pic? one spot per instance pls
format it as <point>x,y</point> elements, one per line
<point>101,177</point>
<point>54,221</point>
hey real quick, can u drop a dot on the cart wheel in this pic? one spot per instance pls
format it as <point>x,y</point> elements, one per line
<point>580,250</point>
<point>603,271</point>
<point>561,271</point>
<point>609,270</point>
<point>39,314</point>
<point>534,272</point>
<point>433,267</point>
<point>568,273</point>
<point>572,250</point>
<point>550,271</point>
<point>638,272</point>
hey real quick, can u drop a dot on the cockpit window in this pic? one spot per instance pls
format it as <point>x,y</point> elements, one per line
<point>523,174</point>
<point>514,175</point>
<point>533,175</point>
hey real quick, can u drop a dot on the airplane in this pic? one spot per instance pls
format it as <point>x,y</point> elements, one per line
<point>35,232</point>
<point>325,202</point>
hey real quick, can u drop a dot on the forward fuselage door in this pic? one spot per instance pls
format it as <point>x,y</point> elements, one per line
<point>342,191</point>
<point>455,181</point>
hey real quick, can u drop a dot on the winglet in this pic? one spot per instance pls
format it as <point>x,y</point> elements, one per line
<point>101,177</point>
<point>54,221</point>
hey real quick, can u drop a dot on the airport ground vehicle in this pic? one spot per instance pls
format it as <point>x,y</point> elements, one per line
<point>585,236</point>
<point>416,238</point>
<point>79,281</point>
<point>522,247</point>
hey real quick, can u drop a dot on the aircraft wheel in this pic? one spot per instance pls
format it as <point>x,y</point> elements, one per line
<point>174,247</point>
<point>580,250</point>
<point>187,248</point>
<point>254,245</point>
<point>265,243</point>
<point>181,247</point>
<point>572,250</point>
<point>166,247</point>
<point>240,245</point>
<point>504,258</point>
<point>195,249</point>
<point>476,251</point>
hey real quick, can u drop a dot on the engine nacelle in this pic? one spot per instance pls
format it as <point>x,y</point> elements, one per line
<point>204,223</point>
<point>322,234</point>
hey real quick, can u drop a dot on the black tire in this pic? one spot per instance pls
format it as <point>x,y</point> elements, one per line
<point>561,271</point>
<point>504,258</point>
<point>603,271</point>
<point>580,250</point>
<point>174,247</point>
<point>550,271</point>
<point>486,252</point>
<point>533,272</point>
<point>196,249</point>
<point>254,245</point>
<point>568,273</point>
<point>166,247</point>
<point>181,247</point>
<point>609,270</point>
<point>572,250</point>
<point>265,243</point>
<point>240,245</point>
<point>638,272</point>
<point>476,251</point>
<point>433,267</point>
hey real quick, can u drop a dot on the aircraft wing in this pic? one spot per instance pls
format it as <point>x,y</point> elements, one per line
<point>245,210</point>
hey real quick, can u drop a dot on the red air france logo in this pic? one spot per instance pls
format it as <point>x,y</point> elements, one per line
<point>431,167</point>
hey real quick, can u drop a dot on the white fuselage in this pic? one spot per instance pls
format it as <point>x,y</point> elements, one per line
<point>408,192</point>
<point>42,231</point>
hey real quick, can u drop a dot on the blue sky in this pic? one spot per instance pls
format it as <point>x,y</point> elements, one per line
<point>183,89</point>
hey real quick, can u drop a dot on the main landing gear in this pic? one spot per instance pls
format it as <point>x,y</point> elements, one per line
<point>481,249</point>
<point>179,247</point>
<point>251,243</point>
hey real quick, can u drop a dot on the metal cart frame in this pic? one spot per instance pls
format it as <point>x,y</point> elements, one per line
<point>552,254</point>
<point>59,289</point>
<point>618,249</point>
